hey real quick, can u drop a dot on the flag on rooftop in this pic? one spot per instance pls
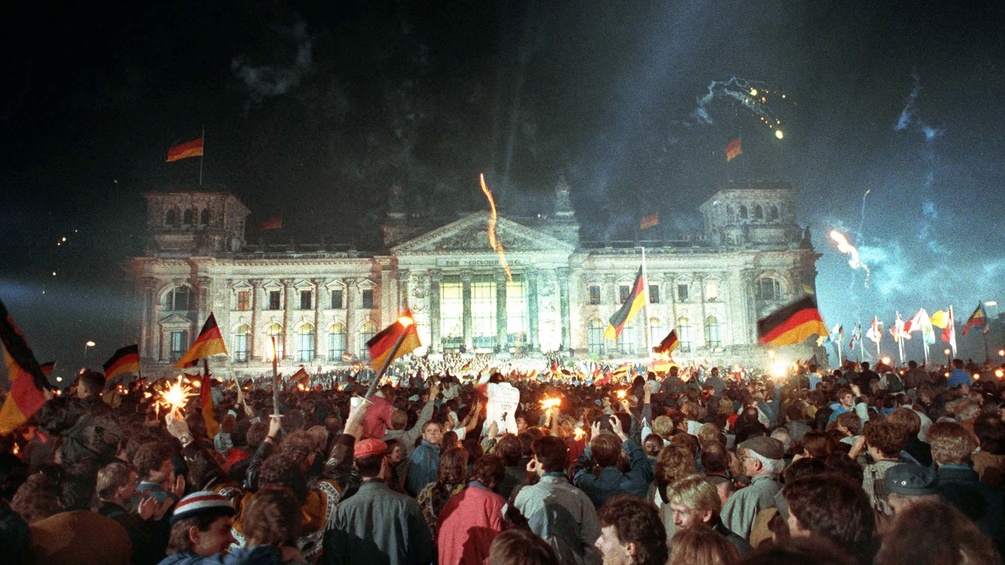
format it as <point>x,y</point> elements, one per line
<point>649,221</point>
<point>733,150</point>
<point>633,303</point>
<point>791,324</point>
<point>27,382</point>
<point>185,150</point>
<point>273,223</point>
<point>382,344</point>
<point>209,342</point>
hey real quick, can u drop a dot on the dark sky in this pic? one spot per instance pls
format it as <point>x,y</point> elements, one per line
<point>314,110</point>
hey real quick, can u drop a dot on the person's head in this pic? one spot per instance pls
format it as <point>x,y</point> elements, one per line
<point>865,366</point>
<point>694,501</point>
<point>958,363</point>
<point>709,432</point>
<point>951,443</point>
<point>714,458</point>
<point>399,419</point>
<point>510,449</point>
<point>663,426</point>
<point>606,449</point>
<point>673,463</point>
<point>37,498</point>
<point>818,443</point>
<point>551,453</point>
<point>76,486</point>
<point>116,483</point>
<point>885,439</point>
<point>273,517</point>
<point>907,420</point>
<point>395,453</point>
<point>850,423</point>
<point>520,547</point>
<point>488,470</point>
<point>153,462</point>
<point>990,431</point>
<point>370,457</point>
<point>845,397</point>
<point>201,523</point>
<point>908,485</point>
<point>91,383</point>
<point>432,432</point>
<point>935,532</point>
<point>453,466</point>
<point>761,456</point>
<point>279,470</point>
<point>652,445</point>
<point>631,532</point>
<point>701,545</point>
<point>831,507</point>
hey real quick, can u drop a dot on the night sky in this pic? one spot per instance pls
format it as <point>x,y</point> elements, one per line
<point>314,110</point>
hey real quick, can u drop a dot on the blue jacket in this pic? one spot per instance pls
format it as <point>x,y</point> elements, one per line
<point>423,467</point>
<point>611,481</point>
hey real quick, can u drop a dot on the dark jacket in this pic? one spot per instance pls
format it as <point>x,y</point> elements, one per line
<point>611,481</point>
<point>984,504</point>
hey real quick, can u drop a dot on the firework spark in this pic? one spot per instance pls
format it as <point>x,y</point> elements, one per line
<point>753,95</point>
<point>547,403</point>
<point>174,397</point>
<point>844,247</point>
<point>493,217</point>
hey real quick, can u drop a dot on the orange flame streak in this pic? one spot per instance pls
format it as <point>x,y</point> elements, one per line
<point>493,216</point>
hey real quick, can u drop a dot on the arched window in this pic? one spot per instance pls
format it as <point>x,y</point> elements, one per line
<point>305,343</point>
<point>773,213</point>
<point>743,212</point>
<point>628,340</point>
<point>367,331</point>
<point>242,343</point>
<point>685,334</point>
<point>187,218</point>
<point>712,337</point>
<point>178,299</point>
<point>768,289</point>
<point>656,331</point>
<point>273,331</point>
<point>730,212</point>
<point>595,337</point>
<point>170,217</point>
<point>336,342</point>
<point>204,217</point>
<point>758,212</point>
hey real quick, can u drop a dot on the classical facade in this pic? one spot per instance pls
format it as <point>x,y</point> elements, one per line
<point>323,302</point>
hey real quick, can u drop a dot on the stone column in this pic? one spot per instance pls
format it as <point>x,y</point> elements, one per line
<point>256,287</point>
<point>318,285</point>
<point>467,317</point>
<point>435,344</point>
<point>205,305</point>
<point>704,316</point>
<point>502,324</point>
<point>148,310</point>
<point>563,306</point>
<point>288,295</point>
<point>533,342</point>
<point>403,290</point>
<point>350,334</point>
<point>672,283</point>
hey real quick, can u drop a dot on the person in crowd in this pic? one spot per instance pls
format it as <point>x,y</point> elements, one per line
<point>958,376</point>
<point>831,507</point>
<point>604,451</point>
<point>883,442</point>
<point>158,479</point>
<point>908,484</point>
<point>555,510</point>
<point>520,547</point>
<point>695,503</point>
<point>760,460</point>
<point>201,530</point>
<point>272,524</point>
<point>472,518</point>
<point>407,438</point>
<point>424,464</point>
<point>989,460</point>
<point>147,528</point>
<point>935,531</point>
<point>451,479</point>
<point>701,545</point>
<point>631,532</point>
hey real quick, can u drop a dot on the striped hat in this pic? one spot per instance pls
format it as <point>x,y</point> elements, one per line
<point>202,503</point>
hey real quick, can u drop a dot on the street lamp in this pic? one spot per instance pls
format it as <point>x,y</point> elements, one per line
<point>87,346</point>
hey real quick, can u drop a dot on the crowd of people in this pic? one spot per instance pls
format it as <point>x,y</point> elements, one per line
<point>856,465</point>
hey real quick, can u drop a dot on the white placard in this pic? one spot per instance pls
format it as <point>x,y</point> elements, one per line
<point>503,400</point>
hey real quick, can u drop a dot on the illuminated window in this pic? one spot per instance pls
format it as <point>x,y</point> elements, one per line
<point>685,334</point>
<point>516,311</point>
<point>305,343</point>
<point>179,299</point>
<point>336,342</point>
<point>273,331</point>
<point>451,312</point>
<point>306,299</point>
<point>366,332</point>
<point>656,331</point>
<point>768,289</point>
<point>628,340</point>
<point>242,343</point>
<point>274,300</point>
<point>711,290</point>
<point>595,337</point>
<point>682,293</point>
<point>337,299</point>
<point>179,344</point>
<point>368,299</point>
<point>654,294</point>
<point>243,300</point>
<point>483,311</point>
<point>594,294</point>
<point>712,337</point>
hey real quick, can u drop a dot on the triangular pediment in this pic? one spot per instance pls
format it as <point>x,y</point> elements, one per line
<point>470,235</point>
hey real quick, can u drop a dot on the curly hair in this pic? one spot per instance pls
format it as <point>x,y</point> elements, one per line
<point>951,443</point>
<point>510,449</point>
<point>272,517</point>
<point>150,456</point>
<point>280,471</point>
<point>453,466</point>
<point>888,438</point>
<point>489,470</point>
<point>674,462</point>
<point>832,507</point>
<point>37,498</point>
<point>636,521</point>
<point>520,547</point>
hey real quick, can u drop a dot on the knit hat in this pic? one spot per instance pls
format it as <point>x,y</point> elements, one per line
<point>202,503</point>
<point>911,479</point>
<point>367,447</point>
<point>767,447</point>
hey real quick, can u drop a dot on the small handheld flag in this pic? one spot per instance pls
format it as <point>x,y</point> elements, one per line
<point>733,150</point>
<point>26,377</point>
<point>791,324</point>
<point>382,345</point>
<point>209,342</point>
<point>649,221</point>
<point>125,360</point>
<point>669,343</point>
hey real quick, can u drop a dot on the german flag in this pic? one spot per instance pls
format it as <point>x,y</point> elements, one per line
<point>47,368</point>
<point>791,324</point>
<point>380,345</point>
<point>273,223</point>
<point>636,299</point>
<point>300,377</point>
<point>650,221</point>
<point>185,150</point>
<point>208,407</point>
<point>669,343</point>
<point>209,342</point>
<point>733,150</point>
<point>26,378</point>
<point>125,360</point>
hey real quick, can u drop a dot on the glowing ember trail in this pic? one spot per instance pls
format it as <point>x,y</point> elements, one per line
<point>847,248</point>
<point>493,216</point>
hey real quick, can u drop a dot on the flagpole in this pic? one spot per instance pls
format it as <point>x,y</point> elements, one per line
<point>645,306</point>
<point>861,346</point>
<point>203,156</point>
<point>952,329</point>
<point>838,347</point>
<point>275,378</point>
<point>387,362</point>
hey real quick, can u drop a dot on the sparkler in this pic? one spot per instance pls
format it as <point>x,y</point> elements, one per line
<point>547,403</point>
<point>622,394</point>
<point>493,217</point>
<point>174,397</point>
<point>844,247</point>
<point>578,433</point>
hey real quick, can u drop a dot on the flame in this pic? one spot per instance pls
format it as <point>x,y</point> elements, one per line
<point>174,397</point>
<point>547,403</point>
<point>844,247</point>
<point>405,321</point>
<point>621,394</point>
<point>578,433</point>
<point>493,216</point>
